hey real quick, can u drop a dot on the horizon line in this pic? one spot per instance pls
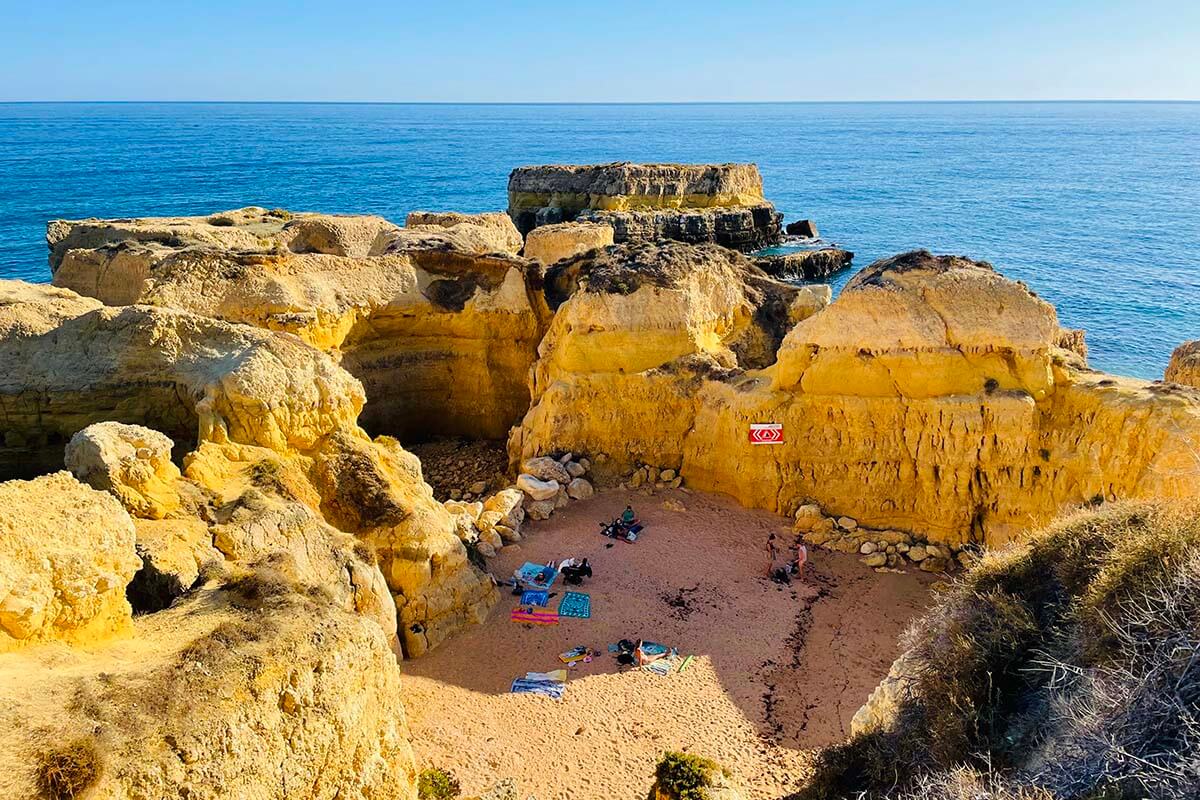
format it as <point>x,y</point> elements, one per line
<point>1013,101</point>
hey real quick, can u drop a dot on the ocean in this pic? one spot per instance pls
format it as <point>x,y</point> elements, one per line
<point>1096,206</point>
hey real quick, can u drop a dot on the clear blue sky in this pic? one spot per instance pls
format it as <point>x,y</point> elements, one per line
<point>597,51</point>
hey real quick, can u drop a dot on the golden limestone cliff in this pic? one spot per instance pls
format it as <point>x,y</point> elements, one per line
<point>697,203</point>
<point>437,320</point>
<point>929,398</point>
<point>275,465</point>
<point>1185,364</point>
<point>260,681</point>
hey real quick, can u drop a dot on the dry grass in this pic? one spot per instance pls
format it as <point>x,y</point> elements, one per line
<point>68,772</point>
<point>1067,667</point>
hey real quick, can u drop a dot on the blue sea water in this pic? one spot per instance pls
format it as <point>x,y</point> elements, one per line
<point>1095,205</point>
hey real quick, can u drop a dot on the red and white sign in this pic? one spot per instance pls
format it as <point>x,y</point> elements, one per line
<point>766,433</point>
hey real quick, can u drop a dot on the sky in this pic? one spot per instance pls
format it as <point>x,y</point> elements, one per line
<point>598,51</point>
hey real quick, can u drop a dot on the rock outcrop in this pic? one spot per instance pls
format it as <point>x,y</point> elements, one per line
<point>255,689</point>
<point>131,462</point>
<point>439,328</point>
<point>66,554</point>
<point>550,243</point>
<point>806,265</point>
<point>1185,364</point>
<point>930,398</point>
<point>697,203</point>
<point>258,410</point>
<point>496,227</point>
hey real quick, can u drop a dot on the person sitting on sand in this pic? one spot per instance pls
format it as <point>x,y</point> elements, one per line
<point>628,517</point>
<point>575,570</point>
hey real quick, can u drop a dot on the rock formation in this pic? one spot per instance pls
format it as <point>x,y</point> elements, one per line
<point>257,410</point>
<point>496,226</point>
<point>697,203</point>
<point>1185,364</point>
<point>805,265</point>
<point>441,332</point>
<point>255,689</point>
<point>550,243</point>
<point>131,462</point>
<point>930,398</point>
<point>66,554</point>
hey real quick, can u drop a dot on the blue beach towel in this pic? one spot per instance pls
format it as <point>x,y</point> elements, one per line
<point>575,604</point>
<point>537,576</point>
<point>535,597</point>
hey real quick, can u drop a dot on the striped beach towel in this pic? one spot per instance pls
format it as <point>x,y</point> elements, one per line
<point>533,616</point>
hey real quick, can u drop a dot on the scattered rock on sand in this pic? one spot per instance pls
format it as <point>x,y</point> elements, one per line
<point>579,489</point>
<point>546,469</point>
<point>536,488</point>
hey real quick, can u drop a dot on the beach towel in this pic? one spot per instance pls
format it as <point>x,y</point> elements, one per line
<point>660,667</point>
<point>537,576</point>
<point>575,604</point>
<point>553,689</point>
<point>535,597</point>
<point>531,616</point>
<point>557,675</point>
<point>577,654</point>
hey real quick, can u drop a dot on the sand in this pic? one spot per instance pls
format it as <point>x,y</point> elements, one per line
<point>777,670</point>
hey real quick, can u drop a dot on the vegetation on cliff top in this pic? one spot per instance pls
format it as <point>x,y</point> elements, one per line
<point>1067,667</point>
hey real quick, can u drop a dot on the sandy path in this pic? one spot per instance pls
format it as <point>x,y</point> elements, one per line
<point>776,669</point>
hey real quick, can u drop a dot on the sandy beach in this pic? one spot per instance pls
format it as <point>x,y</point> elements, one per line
<point>777,669</point>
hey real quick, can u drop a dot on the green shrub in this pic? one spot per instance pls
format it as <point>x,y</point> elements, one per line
<point>435,783</point>
<point>684,776</point>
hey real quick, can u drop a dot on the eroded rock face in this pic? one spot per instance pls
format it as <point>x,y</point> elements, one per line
<point>930,397</point>
<point>131,462</point>
<point>637,330</point>
<point>806,265</point>
<point>66,554</point>
<point>266,411</point>
<point>496,226</point>
<point>1185,364</point>
<point>436,324</point>
<point>550,243</point>
<point>696,203</point>
<point>260,689</point>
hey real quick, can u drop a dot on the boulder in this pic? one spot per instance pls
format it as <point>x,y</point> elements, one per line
<point>808,516</point>
<point>496,229</point>
<point>806,265</point>
<point>536,488</point>
<point>508,503</point>
<point>875,560</point>
<point>561,499</point>
<point>917,553</point>
<point>575,469</point>
<point>540,509</point>
<point>580,489</point>
<point>847,523</point>
<point>129,461</point>
<point>550,243</point>
<point>546,469</point>
<point>803,227</point>
<point>66,555</point>
<point>866,548</point>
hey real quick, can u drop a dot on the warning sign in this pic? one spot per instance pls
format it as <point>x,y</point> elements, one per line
<point>766,433</point>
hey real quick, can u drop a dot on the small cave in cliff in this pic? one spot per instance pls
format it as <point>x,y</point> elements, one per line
<point>462,469</point>
<point>35,433</point>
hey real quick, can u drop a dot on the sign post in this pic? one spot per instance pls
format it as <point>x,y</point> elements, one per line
<point>766,433</point>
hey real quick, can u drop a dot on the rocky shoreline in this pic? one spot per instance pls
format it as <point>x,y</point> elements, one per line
<point>234,398</point>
